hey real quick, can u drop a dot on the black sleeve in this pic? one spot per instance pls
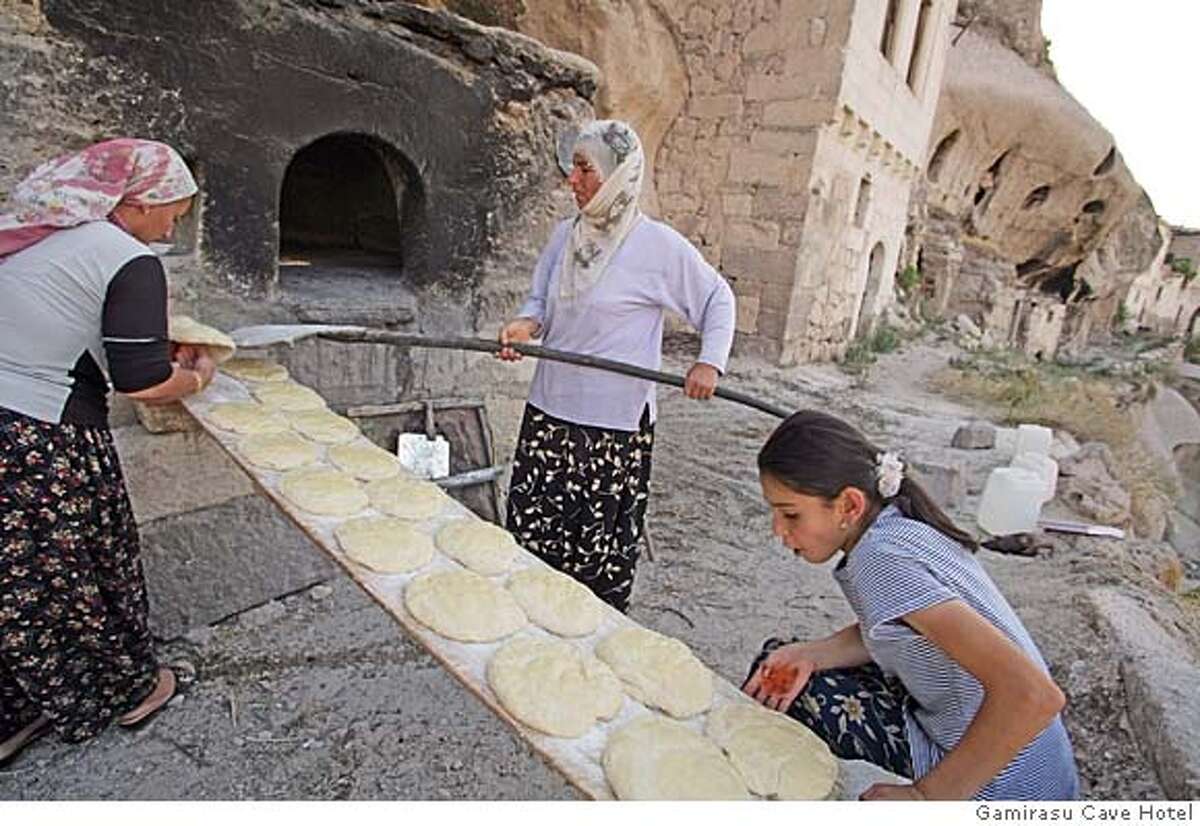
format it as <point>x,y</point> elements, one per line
<point>135,326</point>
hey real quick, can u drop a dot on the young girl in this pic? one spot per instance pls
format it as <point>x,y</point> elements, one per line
<point>938,680</point>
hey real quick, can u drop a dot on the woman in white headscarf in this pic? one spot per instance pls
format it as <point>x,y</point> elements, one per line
<point>85,307</point>
<point>581,471</point>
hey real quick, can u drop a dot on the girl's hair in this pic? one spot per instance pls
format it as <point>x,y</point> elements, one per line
<point>817,454</point>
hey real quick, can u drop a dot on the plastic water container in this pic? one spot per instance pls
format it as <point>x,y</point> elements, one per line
<point>1033,438</point>
<point>1011,502</point>
<point>1043,466</point>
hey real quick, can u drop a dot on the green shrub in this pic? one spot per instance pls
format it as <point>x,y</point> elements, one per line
<point>1185,267</point>
<point>908,279</point>
<point>885,339</point>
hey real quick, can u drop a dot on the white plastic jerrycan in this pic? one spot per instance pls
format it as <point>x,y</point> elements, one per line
<point>1011,502</point>
<point>1043,466</point>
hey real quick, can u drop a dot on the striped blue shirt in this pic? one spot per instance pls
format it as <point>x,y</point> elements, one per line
<point>900,566</point>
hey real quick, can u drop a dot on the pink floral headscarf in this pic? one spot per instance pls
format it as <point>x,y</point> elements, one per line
<point>88,185</point>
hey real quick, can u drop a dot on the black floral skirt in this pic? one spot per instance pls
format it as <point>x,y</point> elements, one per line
<point>578,499</point>
<point>74,641</point>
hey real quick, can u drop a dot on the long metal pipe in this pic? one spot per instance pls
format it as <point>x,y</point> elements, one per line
<point>482,345</point>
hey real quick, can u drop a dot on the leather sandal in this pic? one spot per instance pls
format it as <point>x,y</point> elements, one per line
<point>163,691</point>
<point>11,747</point>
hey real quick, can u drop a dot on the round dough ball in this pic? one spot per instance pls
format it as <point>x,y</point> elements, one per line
<point>483,547</point>
<point>552,686</point>
<point>385,545</point>
<point>654,758</point>
<point>246,418</point>
<point>255,370</point>
<point>365,460</point>
<point>406,498</point>
<point>323,492</point>
<point>463,605</point>
<point>555,601</point>
<point>659,671</point>
<point>323,426</point>
<point>289,396</point>
<point>777,756</point>
<point>278,451</point>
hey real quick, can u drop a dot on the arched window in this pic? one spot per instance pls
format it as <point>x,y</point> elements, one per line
<point>938,160</point>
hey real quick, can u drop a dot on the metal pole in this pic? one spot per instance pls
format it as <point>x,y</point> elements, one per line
<point>483,345</point>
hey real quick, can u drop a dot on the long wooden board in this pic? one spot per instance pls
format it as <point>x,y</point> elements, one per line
<point>577,759</point>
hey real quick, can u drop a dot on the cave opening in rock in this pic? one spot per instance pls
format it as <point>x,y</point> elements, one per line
<point>343,204</point>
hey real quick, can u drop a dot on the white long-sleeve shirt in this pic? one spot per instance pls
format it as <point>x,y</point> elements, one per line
<point>621,318</point>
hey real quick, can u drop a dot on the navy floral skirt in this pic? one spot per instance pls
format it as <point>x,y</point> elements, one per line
<point>858,712</point>
<point>74,641</point>
<point>578,499</point>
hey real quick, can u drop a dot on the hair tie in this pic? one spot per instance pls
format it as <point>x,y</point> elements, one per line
<point>889,473</point>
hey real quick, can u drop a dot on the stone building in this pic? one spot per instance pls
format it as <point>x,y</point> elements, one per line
<point>1165,300</point>
<point>784,136</point>
<point>1021,187</point>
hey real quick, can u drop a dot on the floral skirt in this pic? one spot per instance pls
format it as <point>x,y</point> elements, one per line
<point>74,641</point>
<point>858,712</point>
<point>578,499</point>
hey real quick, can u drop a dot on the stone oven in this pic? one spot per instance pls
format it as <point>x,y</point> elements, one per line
<point>375,138</point>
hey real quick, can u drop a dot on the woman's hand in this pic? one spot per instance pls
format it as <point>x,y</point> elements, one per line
<point>198,358</point>
<point>781,676</point>
<point>890,791</point>
<point>517,331</point>
<point>701,381</point>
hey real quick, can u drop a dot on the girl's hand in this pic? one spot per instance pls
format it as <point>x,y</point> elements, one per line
<point>781,676</point>
<point>889,791</point>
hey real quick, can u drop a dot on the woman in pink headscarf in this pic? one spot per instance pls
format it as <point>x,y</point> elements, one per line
<point>84,307</point>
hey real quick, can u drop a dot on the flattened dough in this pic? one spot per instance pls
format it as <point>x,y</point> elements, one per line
<point>323,492</point>
<point>777,756</point>
<point>324,426</point>
<point>463,605</point>
<point>364,460</point>
<point>483,547</point>
<point>653,758</point>
<point>246,417</point>
<point>384,544</point>
<point>288,396</point>
<point>278,451</point>
<point>255,370</point>
<point>659,671</point>
<point>406,498</point>
<point>555,601</point>
<point>183,329</point>
<point>552,686</point>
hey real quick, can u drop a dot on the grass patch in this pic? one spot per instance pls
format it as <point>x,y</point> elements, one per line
<point>1191,351</point>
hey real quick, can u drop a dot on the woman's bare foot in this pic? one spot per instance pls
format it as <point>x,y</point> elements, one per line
<point>162,693</point>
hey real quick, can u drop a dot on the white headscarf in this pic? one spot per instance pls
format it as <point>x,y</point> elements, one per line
<point>613,147</point>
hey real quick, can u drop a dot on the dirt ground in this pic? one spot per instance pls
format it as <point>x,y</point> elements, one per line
<point>318,696</point>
